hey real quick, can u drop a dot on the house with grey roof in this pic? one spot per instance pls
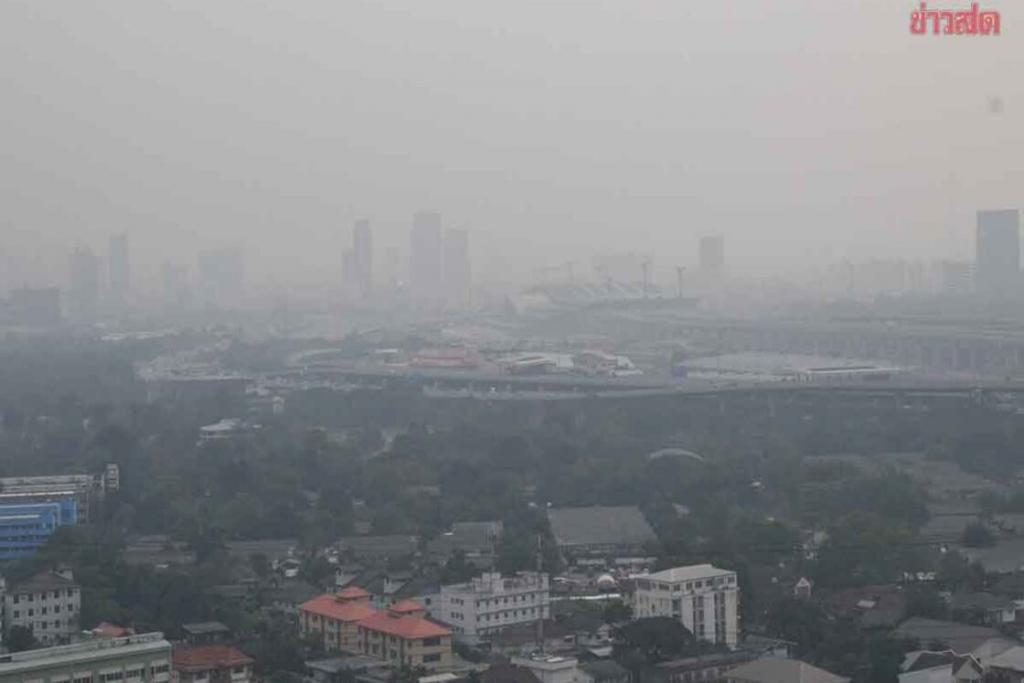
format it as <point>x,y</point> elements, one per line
<point>773,670</point>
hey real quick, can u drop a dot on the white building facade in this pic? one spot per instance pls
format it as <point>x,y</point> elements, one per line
<point>701,597</point>
<point>47,604</point>
<point>489,603</point>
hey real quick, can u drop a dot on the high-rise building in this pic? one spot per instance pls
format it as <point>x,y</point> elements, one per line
<point>83,293</point>
<point>221,274</point>
<point>175,284</point>
<point>362,257</point>
<point>457,274</point>
<point>702,598</point>
<point>120,268</point>
<point>425,256</point>
<point>997,252</point>
<point>712,253</point>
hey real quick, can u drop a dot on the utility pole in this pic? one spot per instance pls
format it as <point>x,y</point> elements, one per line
<point>540,610</point>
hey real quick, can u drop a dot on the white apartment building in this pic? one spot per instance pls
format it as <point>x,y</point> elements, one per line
<point>48,604</point>
<point>703,598</point>
<point>490,603</point>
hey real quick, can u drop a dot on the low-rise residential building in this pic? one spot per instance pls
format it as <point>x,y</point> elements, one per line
<point>710,668</point>
<point>211,664</point>
<point>778,670</point>
<point>403,636</point>
<point>550,669</point>
<point>48,604</point>
<point>603,671</point>
<point>701,597</point>
<point>490,603</point>
<point>334,618</point>
<point>143,658</point>
<point>942,667</point>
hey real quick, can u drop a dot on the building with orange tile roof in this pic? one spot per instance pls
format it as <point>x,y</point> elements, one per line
<point>333,617</point>
<point>402,636</point>
<point>211,664</point>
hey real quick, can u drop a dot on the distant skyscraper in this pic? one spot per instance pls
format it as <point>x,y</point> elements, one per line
<point>83,293</point>
<point>120,268</point>
<point>362,257</point>
<point>425,266</point>
<point>457,274</point>
<point>997,252</point>
<point>175,281</point>
<point>712,253</point>
<point>221,274</point>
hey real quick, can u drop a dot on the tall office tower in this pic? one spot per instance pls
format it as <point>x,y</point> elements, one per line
<point>997,252</point>
<point>175,281</point>
<point>85,285</point>
<point>712,253</point>
<point>362,257</point>
<point>221,273</point>
<point>456,268</point>
<point>425,265</point>
<point>120,269</point>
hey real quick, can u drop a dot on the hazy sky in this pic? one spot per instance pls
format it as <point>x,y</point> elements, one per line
<point>800,129</point>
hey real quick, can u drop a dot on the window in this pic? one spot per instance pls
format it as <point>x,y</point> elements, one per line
<point>431,642</point>
<point>83,679</point>
<point>31,612</point>
<point>431,658</point>
<point>238,670</point>
<point>17,614</point>
<point>133,673</point>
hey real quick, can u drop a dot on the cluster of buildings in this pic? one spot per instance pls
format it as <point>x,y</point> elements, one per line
<point>439,266</point>
<point>32,508</point>
<point>115,655</point>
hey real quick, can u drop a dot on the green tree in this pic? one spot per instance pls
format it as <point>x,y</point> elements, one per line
<point>21,638</point>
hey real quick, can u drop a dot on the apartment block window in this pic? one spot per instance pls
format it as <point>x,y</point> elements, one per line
<point>431,658</point>
<point>431,642</point>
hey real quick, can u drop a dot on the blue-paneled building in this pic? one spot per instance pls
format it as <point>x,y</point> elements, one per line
<point>26,526</point>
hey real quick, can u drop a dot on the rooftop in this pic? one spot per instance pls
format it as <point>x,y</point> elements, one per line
<point>691,573</point>
<point>328,605</point>
<point>85,651</point>
<point>43,581</point>
<point>404,626</point>
<point>208,657</point>
<point>600,526</point>
<point>782,671</point>
<point>205,628</point>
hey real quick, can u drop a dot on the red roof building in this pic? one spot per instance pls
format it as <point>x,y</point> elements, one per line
<point>211,664</point>
<point>402,636</point>
<point>333,618</point>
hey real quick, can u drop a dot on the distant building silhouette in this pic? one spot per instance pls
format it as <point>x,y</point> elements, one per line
<point>175,284</point>
<point>712,253</point>
<point>35,307</point>
<point>83,293</point>
<point>119,268</point>
<point>425,256</point>
<point>221,276</point>
<point>457,272</point>
<point>362,257</point>
<point>997,252</point>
